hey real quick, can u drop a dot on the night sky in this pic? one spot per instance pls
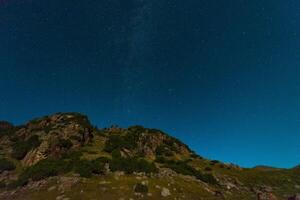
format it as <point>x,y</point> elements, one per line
<point>222,76</point>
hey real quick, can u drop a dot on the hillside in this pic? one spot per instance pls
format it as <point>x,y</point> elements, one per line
<point>64,157</point>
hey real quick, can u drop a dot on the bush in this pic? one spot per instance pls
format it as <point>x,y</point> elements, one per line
<point>163,150</point>
<point>84,168</point>
<point>99,164</point>
<point>194,155</point>
<point>208,169</point>
<point>183,168</point>
<point>140,188</point>
<point>6,165</point>
<point>2,184</point>
<point>213,162</point>
<point>130,165</point>
<point>161,159</point>
<point>65,143</point>
<point>118,142</point>
<point>45,168</point>
<point>116,153</point>
<point>21,148</point>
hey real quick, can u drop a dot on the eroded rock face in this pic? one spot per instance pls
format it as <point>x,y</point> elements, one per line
<point>149,141</point>
<point>57,134</point>
<point>4,125</point>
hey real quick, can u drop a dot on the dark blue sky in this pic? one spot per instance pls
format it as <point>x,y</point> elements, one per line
<point>223,76</point>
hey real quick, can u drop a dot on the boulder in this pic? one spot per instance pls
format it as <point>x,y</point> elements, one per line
<point>165,192</point>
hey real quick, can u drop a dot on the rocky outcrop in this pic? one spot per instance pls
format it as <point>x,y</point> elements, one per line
<point>57,134</point>
<point>148,143</point>
<point>4,125</point>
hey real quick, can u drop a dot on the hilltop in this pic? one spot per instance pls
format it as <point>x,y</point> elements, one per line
<point>64,157</point>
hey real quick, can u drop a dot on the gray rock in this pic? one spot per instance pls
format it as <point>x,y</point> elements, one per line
<point>165,192</point>
<point>51,188</point>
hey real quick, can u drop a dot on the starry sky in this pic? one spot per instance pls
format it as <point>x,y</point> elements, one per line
<point>222,76</point>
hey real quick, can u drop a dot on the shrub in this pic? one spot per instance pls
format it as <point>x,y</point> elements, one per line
<point>213,162</point>
<point>6,165</point>
<point>98,165</point>
<point>21,148</point>
<point>72,156</point>
<point>116,153</point>
<point>184,168</point>
<point>194,155</point>
<point>75,137</point>
<point>130,165</point>
<point>163,151</point>
<point>161,159</point>
<point>43,169</point>
<point>2,184</point>
<point>118,142</point>
<point>65,143</point>
<point>84,168</point>
<point>208,169</point>
<point>140,188</point>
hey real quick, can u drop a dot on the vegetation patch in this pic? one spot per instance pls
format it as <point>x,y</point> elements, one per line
<point>21,148</point>
<point>140,188</point>
<point>130,165</point>
<point>65,143</point>
<point>43,169</point>
<point>185,169</point>
<point>163,150</point>
<point>6,165</point>
<point>118,142</point>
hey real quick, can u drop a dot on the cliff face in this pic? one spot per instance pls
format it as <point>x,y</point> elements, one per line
<point>47,136</point>
<point>66,144</point>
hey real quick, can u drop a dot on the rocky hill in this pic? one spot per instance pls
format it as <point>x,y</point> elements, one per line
<point>64,157</point>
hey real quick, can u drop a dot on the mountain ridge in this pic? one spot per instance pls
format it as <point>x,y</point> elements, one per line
<point>67,146</point>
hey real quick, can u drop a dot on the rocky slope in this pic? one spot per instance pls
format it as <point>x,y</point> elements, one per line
<point>64,157</point>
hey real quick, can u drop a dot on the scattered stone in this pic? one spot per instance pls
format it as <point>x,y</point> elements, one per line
<point>145,182</point>
<point>60,197</point>
<point>67,182</point>
<point>165,192</point>
<point>51,188</point>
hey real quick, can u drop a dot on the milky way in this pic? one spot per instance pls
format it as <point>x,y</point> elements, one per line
<point>223,76</point>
